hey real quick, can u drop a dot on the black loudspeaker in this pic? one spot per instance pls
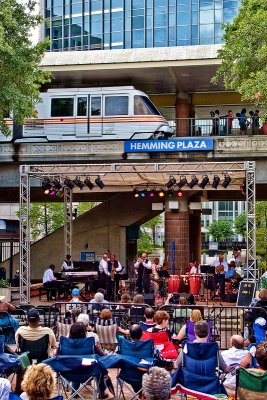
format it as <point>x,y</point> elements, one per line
<point>149,298</point>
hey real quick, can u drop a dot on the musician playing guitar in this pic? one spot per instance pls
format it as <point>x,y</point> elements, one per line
<point>221,268</point>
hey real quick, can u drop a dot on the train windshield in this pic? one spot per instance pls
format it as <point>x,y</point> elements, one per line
<point>144,106</point>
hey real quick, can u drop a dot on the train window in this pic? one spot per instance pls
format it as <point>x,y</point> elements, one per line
<point>116,105</point>
<point>144,106</point>
<point>81,106</point>
<point>96,105</point>
<point>62,107</point>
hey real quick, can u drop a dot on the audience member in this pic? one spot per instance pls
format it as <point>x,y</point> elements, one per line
<point>38,383</point>
<point>84,318</point>
<point>261,356</point>
<point>8,319</point>
<point>125,298</point>
<point>98,303</point>
<point>149,316</point>
<point>195,316</point>
<point>34,331</point>
<point>156,384</point>
<point>162,320</point>
<point>137,310</point>
<point>105,319</point>
<point>75,299</point>
<point>233,357</point>
<point>5,389</point>
<point>135,332</point>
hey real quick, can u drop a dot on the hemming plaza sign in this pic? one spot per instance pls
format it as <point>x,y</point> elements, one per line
<point>139,146</point>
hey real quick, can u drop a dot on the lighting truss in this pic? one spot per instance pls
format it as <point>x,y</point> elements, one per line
<point>237,170</point>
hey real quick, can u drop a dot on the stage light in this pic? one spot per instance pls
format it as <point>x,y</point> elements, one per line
<point>193,182</point>
<point>204,182</point>
<point>143,193</point>
<point>56,184</point>
<point>170,193</point>
<point>52,192</point>
<point>152,193</point>
<point>227,181</point>
<point>99,182</point>
<point>180,193</point>
<point>136,193</point>
<point>78,183</point>
<point>68,183</point>
<point>161,193</point>
<point>88,183</point>
<point>60,193</point>
<point>170,182</point>
<point>46,185</point>
<point>216,181</point>
<point>183,182</point>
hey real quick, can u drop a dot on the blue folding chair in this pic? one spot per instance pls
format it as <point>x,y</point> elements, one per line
<point>198,374</point>
<point>131,373</point>
<point>14,396</point>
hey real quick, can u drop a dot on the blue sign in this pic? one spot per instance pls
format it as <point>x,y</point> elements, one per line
<point>196,144</point>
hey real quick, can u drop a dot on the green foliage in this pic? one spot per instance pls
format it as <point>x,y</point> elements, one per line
<point>145,242</point>
<point>45,218</point>
<point>20,72</point>
<point>244,67</point>
<point>241,224</point>
<point>84,207</point>
<point>221,230</point>
<point>261,230</point>
<point>151,225</point>
<point>4,283</point>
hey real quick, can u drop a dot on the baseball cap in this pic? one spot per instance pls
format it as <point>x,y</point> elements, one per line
<point>33,314</point>
<point>75,292</point>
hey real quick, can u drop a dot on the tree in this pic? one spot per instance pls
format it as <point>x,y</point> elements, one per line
<point>241,224</point>
<point>151,225</point>
<point>86,206</point>
<point>20,72</point>
<point>144,243</point>
<point>261,231</point>
<point>221,230</point>
<point>244,67</point>
<point>45,218</point>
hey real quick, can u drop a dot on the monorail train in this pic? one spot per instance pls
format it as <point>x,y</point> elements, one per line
<point>94,114</point>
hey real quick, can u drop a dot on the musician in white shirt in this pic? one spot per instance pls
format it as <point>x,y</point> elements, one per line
<point>144,269</point>
<point>49,281</point>
<point>103,265</point>
<point>67,264</point>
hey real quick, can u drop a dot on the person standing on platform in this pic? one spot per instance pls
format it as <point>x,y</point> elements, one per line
<point>101,270</point>
<point>221,269</point>
<point>144,269</point>
<point>155,268</point>
<point>111,269</point>
<point>67,264</point>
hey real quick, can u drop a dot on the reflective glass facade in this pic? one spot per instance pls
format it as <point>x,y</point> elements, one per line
<point>124,24</point>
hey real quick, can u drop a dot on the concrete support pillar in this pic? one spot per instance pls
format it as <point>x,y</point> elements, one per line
<point>177,230</point>
<point>195,236</point>
<point>182,108</point>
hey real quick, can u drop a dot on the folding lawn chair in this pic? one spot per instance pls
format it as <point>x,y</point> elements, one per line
<point>251,384</point>
<point>198,375</point>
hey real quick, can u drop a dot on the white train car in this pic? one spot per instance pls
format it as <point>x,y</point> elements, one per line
<point>107,113</point>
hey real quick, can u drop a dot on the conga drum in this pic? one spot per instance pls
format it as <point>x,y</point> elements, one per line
<point>173,284</point>
<point>184,284</point>
<point>194,284</point>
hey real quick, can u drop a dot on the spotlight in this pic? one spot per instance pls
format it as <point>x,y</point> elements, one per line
<point>52,192</point>
<point>216,181</point>
<point>227,181</point>
<point>60,193</point>
<point>161,193</point>
<point>204,182</point>
<point>68,183</point>
<point>88,183</point>
<point>180,193</point>
<point>170,193</point>
<point>170,182</point>
<point>143,193</point>
<point>78,183</point>
<point>193,182</point>
<point>183,182</point>
<point>46,185</point>
<point>152,193</point>
<point>56,184</point>
<point>99,182</point>
<point>136,193</point>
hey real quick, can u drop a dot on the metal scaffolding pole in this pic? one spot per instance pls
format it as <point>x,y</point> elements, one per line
<point>252,273</point>
<point>24,235</point>
<point>67,220</point>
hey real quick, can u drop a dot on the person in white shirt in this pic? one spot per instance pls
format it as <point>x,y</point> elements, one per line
<point>144,270</point>
<point>103,265</point>
<point>67,264</point>
<point>112,269</point>
<point>233,357</point>
<point>221,268</point>
<point>49,281</point>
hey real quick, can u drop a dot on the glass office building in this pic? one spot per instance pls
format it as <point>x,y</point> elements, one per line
<point>125,24</point>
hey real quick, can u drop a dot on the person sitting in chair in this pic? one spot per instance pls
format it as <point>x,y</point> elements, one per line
<point>34,331</point>
<point>7,319</point>
<point>156,384</point>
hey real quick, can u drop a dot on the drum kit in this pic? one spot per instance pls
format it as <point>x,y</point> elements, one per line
<point>185,284</point>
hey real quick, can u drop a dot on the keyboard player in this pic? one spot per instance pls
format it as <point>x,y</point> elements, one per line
<point>67,264</point>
